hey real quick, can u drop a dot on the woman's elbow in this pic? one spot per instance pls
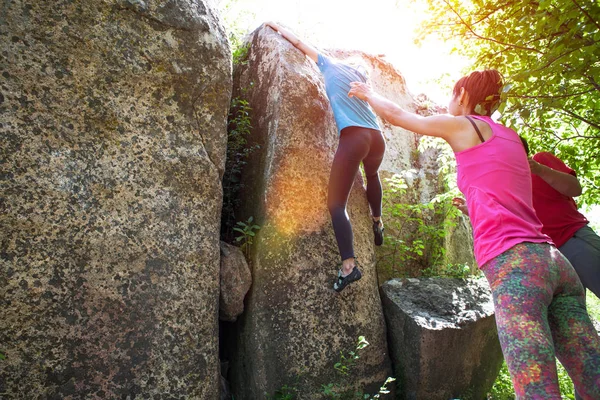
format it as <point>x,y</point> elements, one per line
<point>574,188</point>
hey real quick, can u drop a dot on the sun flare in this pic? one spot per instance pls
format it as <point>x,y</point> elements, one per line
<point>382,27</point>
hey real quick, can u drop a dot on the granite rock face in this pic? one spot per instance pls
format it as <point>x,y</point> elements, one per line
<point>295,324</point>
<point>113,127</point>
<point>443,337</point>
<point>236,280</point>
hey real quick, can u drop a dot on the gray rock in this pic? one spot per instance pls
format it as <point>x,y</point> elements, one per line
<point>295,325</point>
<point>459,244</point>
<point>113,143</point>
<point>236,280</point>
<point>443,337</point>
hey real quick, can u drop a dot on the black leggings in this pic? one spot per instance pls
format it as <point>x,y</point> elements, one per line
<point>356,145</point>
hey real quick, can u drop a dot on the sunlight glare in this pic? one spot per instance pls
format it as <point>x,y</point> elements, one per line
<point>376,27</point>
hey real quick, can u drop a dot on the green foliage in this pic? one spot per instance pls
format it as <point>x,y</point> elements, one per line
<point>593,306</point>
<point>284,393</point>
<point>548,52</point>
<point>2,356</point>
<point>348,361</point>
<point>238,151</point>
<point>502,389</point>
<point>343,367</point>
<point>238,128</point>
<point>448,270</point>
<point>415,232</point>
<point>237,18</point>
<point>246,234</point>
<point>240,53</point>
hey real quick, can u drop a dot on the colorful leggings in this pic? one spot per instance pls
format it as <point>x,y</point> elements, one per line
<point>540,314</point>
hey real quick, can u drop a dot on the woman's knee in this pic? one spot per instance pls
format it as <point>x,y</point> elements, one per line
<point>372,177</point>
<point>336,208</point>
<point>371,168</point>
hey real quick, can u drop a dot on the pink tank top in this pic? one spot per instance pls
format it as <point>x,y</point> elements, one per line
<point>495,178</point>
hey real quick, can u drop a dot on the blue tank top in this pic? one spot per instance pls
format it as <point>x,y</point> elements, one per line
<point>346,111</point>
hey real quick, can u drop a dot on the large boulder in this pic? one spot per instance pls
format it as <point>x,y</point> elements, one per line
<point>113,143</point>
<point>295,325</point>
<point>443,337</point>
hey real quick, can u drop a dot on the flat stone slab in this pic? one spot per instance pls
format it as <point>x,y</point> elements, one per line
<point>443,337</point>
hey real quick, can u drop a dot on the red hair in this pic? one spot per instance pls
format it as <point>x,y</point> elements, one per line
<point>483,88</point>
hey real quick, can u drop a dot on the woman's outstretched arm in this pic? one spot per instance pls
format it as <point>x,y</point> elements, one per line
<point>436,125</point>
<point>307,49</point>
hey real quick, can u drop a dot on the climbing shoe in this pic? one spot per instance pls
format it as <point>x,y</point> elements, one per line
<point>378,232</point>
<point>342,281</point>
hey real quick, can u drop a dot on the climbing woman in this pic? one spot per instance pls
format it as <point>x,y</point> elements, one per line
<point>538,298</point>
<point>361,140</point>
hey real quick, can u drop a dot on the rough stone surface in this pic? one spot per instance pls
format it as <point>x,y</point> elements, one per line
<point>113,129</point>
<point>236,280</point>
<point>295,324</point>
<point>459,244</point>
<point>443,337</point>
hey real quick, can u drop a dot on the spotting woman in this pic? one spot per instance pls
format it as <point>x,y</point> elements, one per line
<point>538,298</point>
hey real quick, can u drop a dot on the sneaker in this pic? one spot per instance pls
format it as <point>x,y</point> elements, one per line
<point>378,232</point>
<point>343,281</point>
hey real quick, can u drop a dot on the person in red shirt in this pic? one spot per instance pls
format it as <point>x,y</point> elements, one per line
<point>554,185</point>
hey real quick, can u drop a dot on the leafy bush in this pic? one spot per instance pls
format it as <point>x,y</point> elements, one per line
<point>415,232</point>
<point>239,124</point>
<point>246,236</point>
<point>238,151</point>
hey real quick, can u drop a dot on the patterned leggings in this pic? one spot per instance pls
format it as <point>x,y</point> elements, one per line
<point>540,314</point>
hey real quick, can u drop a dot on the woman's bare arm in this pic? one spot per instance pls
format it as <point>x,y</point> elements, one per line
<point>307,49</point>
<point>562,182</point>
<point>437,125</point>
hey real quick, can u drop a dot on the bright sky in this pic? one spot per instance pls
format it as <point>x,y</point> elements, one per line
<point>375,26</point>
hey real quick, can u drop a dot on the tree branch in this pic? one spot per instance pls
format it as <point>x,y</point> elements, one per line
<point>593,82</point>
<point>583,10</point>
<point>582,119</point>
<point>463,22</point>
